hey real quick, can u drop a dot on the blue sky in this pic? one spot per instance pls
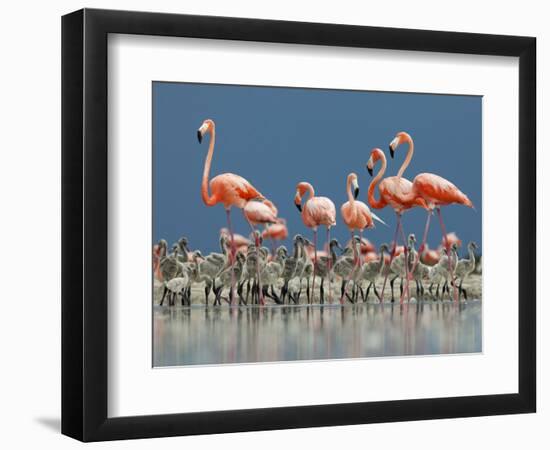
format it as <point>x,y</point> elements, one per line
<point>277,137</point>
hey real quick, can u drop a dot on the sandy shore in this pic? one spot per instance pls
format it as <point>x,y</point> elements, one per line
<point>473,286</point>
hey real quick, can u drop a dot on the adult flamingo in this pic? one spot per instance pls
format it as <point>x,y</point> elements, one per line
<point>452,238</point>
<point>316,211</point>
<point>392,192</point>
<point>239,239</point>
<point>356,216</point>
<point>276,232</point>
<point>228,189</point>
<point>259,212</point>
<point>436,191</point>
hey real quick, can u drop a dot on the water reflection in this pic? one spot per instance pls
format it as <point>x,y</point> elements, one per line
<point>200,335</point>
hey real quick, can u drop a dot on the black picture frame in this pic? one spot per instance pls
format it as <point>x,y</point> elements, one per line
<point>84,224</point>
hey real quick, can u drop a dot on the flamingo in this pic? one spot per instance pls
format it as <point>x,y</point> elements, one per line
<point>159,252</point>
<point>256,212</point>
<point>436,191</point>
<point>441,273</point>
<point>272,272</point>
<point>356,215</point>
<point>323,266</point>
<point>289,269</point>
<point>465,267</point>
<point>227,188</point>
<point>429,257</point>
<point>239,239</point>
<point>451,239</point>
<point>276,232</point>
<point>346,267</point>
<point>315,212</point>
<point>367,246</point>
<point>393,192</point>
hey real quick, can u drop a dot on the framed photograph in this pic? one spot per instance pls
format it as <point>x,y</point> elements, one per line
<point>273,224</point>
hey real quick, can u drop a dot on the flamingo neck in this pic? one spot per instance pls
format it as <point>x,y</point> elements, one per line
<point>408,157</point>
<point>333,254</point>
<point>296,249</point>
<point>223,248</point>
<point>184,253</point>
<point>310,190</point>
<point>381,262</point>
<point>471,255</point>
<point>377,204</point>
<point>351,200</point>
<point>206,198</point>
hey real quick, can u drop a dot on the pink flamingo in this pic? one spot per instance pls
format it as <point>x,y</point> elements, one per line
<point>227,188</point>
<point>367,246</point>
<point>436,191</point>
<point>276,232</point>
<point>259,212</point>
<point>452,238</point>
<point>356,216</point>
<point>430,257</point>
<point>316,211</point>
<point>159,251</point>
<point>239,239</point>
<point>392,192</point>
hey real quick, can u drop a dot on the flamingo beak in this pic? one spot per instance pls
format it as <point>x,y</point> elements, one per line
<point>298,200</point>
<point>199,136</point>
<point>369,170</point>
<point>393,146</point>
<point>355,189</point>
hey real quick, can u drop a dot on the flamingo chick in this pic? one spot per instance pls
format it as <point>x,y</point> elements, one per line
<point>259,211</point>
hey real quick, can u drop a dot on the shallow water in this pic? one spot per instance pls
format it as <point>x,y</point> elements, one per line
<point>198,335</point>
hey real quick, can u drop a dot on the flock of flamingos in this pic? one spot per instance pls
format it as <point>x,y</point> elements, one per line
<point>244,263</point>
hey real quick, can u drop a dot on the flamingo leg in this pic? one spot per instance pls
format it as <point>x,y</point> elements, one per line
<point>328,266</point>
<point>314,264</point>
<point>444,231</point>
<point>351,234</point>
<point>392,255</point>
<point>359,260</point>
<point>232,253</point>
<point>405,293</point>
<point>272,240</point>
<point>424,238</point>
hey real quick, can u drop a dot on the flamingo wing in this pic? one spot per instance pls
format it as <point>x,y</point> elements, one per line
<point>366,214</point>
<point>233,190</point>
<point>276,231</point>
<point>437,190</point>
<point>259,212</point>
<point>321,210</point>
<point>349,215</point>
<point>393,189</point>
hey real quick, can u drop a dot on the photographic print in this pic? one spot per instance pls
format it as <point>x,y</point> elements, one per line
<point>301,224</point>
